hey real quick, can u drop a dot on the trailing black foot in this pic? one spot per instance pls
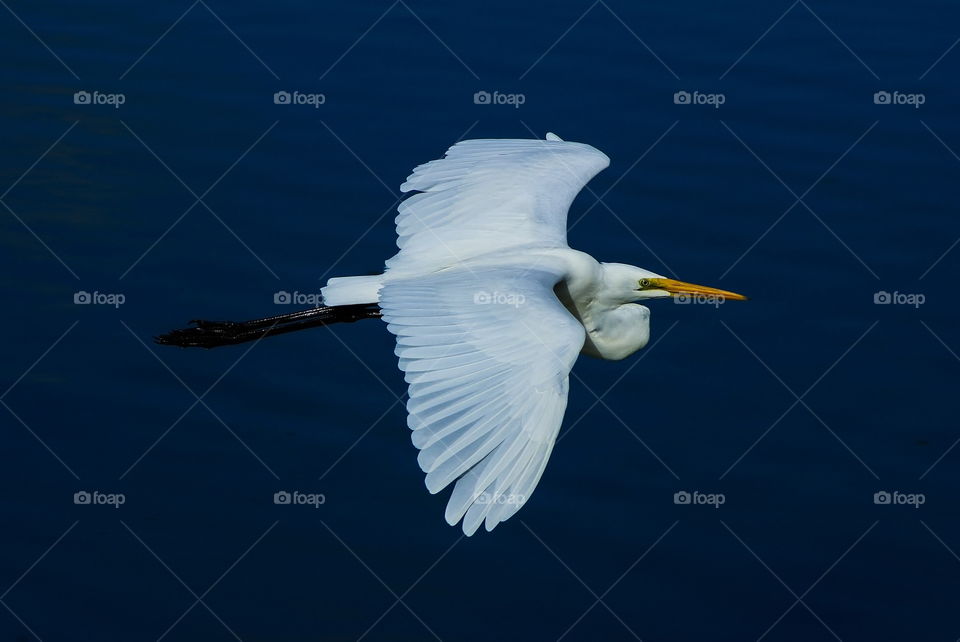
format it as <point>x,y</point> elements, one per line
<point>212,334</point>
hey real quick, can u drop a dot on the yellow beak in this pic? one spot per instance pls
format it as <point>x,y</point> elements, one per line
<point>679,287</point>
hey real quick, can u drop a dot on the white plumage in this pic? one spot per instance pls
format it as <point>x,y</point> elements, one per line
<point>490,308</point>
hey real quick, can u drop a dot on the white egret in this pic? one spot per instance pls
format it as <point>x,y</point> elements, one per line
<point>490,308</point>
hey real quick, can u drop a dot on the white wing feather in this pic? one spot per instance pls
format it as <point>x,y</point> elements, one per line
<point>490,194</point>
<point>483,196</point>
<point>487,354</point>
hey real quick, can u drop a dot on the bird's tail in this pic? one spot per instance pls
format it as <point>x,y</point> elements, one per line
<point>352,290</point>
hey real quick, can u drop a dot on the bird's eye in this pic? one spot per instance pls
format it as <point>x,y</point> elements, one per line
<point>644,283</point>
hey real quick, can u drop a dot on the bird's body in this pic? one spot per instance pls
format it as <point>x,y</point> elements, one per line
<point>615,327</point>
<point>491,308</point>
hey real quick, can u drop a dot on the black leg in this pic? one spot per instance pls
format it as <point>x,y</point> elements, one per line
<point>212,334</point>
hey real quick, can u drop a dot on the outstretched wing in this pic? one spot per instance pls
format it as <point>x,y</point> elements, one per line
<point>487,354</point>
<point>491,194</point>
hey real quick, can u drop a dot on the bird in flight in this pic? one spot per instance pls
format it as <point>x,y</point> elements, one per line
<point>490,308</point>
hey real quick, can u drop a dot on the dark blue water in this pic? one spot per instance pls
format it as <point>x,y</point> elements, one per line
<point>104,199</point>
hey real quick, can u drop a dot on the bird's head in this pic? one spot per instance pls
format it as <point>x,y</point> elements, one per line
<point>627,284</point>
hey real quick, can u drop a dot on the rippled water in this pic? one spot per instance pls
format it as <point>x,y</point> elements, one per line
<point>201,197</point>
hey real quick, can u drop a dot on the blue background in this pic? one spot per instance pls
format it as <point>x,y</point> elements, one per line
<point>298,194</point>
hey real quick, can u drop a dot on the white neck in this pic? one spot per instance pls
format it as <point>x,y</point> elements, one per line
<point>618,332</point>
<point>616,328</point>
